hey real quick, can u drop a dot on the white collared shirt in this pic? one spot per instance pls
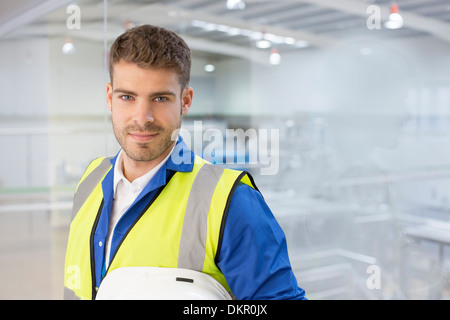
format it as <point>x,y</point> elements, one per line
<point>125,193</point>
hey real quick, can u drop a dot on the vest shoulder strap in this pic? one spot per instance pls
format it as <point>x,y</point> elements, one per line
<point>89,182</point>
<point>194,231</point>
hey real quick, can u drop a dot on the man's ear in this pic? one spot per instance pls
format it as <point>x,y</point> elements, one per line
<point>109,93</point>
<point>186,100</point>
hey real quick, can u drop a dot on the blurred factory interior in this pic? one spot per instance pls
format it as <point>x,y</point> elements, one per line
<point>358,92</point>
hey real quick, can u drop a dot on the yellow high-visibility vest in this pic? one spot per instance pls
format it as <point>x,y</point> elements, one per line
<point>181,228</point>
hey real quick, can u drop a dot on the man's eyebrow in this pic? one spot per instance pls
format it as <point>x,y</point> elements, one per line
<point>163,93</point>
<point>124,91</point>
<point>153,94</point>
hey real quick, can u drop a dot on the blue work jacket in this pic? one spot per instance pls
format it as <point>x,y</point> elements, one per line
<point>253,255</point>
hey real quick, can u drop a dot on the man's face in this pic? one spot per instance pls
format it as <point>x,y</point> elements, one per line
<point>146,106</point>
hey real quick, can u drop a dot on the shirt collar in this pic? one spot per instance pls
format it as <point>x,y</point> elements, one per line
<point>139,183</point>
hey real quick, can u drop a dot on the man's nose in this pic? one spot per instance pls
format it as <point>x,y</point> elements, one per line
<point>143,113</point>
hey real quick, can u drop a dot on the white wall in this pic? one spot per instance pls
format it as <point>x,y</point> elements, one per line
<point>24,88</point>
<point>77,81</point>
<point>24,77</point>
<point>289,87</point>
<point>233,88</point>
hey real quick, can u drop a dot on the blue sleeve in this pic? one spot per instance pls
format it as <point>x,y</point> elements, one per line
<point>253,255</point>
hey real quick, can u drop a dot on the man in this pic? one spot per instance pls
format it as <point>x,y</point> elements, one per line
<point>156,204</point>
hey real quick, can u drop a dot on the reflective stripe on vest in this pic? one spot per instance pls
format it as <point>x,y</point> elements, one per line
<point>195,218</point>
<point>193,235</point>
<point>87,185</point>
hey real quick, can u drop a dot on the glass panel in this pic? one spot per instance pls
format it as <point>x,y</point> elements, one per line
<point>342,122</point>
<point>52,113</point>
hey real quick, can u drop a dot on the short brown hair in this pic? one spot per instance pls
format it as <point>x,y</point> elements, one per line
<point>152,47</point>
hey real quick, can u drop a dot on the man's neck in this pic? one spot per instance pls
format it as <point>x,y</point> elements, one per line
<point>133,169</point>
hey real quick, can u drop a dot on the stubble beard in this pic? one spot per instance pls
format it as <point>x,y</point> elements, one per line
<point>146,151</point>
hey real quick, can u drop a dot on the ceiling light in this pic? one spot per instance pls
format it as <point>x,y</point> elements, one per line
<point>198,23</point>
<point>128,24</point>
<point>263,44</point>
<point>210,27</point>
<point>263,40</point>
<point>234,31</point>
<point>275,57</point>
<point>68,47</point>
<point>254,35</point>
<point>209,67</point>
<point>223,28</point>
<point>271,37</point>
<point>289,40</point>
<point>395,20</point>
<point>235,5</point>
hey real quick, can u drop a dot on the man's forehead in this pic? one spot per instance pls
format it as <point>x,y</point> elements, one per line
<point>130,72</point>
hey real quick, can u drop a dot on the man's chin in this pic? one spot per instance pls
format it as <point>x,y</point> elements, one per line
<point>146,151</point>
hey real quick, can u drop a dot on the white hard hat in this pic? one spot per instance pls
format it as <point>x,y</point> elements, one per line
<point>152,283</point>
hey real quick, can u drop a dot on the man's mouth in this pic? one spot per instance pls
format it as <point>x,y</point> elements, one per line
<point>142,136</point>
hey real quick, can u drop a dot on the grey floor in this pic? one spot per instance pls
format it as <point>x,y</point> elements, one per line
<point>32,250</point>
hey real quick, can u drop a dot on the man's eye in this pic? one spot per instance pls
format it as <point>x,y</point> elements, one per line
<point>161,99</point>
<point>126,97</point>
